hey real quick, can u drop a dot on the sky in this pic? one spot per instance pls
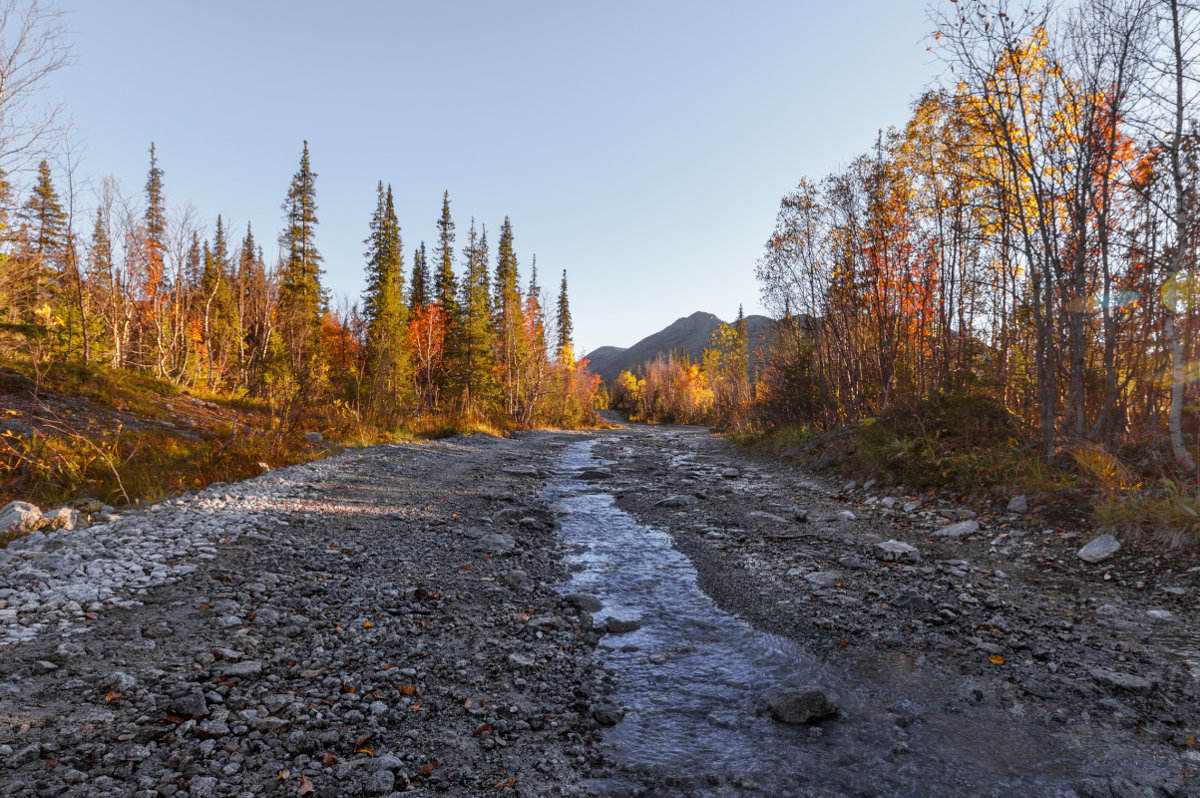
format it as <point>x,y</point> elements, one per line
<point>641,146</point>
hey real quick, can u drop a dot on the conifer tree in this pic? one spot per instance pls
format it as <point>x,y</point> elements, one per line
<point>156,211</point>
<point>445,286</point>
<point>565,328</point>
<point>510,320</point>
<point>301,299</point>
<point>383,307</point>
<point>37,262</point>
<point>217,298</point>
<point>256,308</point>
<point>419,289</point>
<point>477,373</point>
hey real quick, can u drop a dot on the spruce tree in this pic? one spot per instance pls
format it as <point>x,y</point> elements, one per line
<point>383,306</point>
<point>419,289</point>
<point>478,366</point>
<point>40,250</point>
<point>565,328</point>
<point>510,320</point>
<point>301,299</point>
<point>445,286</point>
<point>155,219</point>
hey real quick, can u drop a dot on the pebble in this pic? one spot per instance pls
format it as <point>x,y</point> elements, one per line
<point>969,527</point>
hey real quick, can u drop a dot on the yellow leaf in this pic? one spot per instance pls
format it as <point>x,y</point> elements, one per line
<point>996,659</point>
<point>368,625</point>
<point>362,749</point>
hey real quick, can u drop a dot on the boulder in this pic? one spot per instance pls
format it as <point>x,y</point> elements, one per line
<point>19,517</point>
<point>1099,549</point>
<point>315,438</point>
<point>802,705</point>
<point>64,518</point>
<point>1018,504</point>
<point>1123,681</point>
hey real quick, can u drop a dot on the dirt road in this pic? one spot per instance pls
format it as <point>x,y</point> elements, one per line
<point>401,620</point>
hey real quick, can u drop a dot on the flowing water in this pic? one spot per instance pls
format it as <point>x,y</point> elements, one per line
<point>694,681</point>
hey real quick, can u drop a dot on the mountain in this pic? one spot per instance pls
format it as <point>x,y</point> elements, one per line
<point>688,336</point>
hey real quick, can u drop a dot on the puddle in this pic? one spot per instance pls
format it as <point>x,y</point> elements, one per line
<point>694,682</point>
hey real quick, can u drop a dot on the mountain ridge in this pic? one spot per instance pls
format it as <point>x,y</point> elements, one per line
<point>688,335</point>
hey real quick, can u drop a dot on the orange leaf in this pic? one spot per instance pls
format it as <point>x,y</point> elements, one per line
<point>487,727</point>
<point>406,689</point>
<point>505,784</point>
<point>111,696</point>
<point>306,786</point>
<point>328,759</point>
<point>996,659</point>
<point>368,625</point>
<point>362,749</point>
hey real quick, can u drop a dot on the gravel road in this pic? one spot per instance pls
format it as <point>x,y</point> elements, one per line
<point>391,620</point>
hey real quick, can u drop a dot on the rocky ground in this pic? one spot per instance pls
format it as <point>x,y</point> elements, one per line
<point>377,622</point>
<point>999,612</point>
<point>389,621</point>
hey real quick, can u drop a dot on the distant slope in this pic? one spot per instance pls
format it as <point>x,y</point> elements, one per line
<point>688,336</point>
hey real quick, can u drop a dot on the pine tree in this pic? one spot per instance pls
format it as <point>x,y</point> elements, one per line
<point>419,289</point>
<point>301,299</point>
<point>255,299</point>
<point>217,298</point>
<point>384,313</point>
<point>565,328</point>
<point>478,366</point>
<point>35,269</point>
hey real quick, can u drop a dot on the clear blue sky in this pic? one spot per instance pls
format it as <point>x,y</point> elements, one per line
<point>642,146</point>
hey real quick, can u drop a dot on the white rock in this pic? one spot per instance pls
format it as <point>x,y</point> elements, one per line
<point>1099,549</point>
<point>896,551</point>
<point>19,517</point>
<point>1018,504</point>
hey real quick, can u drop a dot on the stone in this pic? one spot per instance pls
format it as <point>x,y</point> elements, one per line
<point>1018,504</point>
<point>18,517</point>
<point>1123,681</point>
<point>845,515</point>
<point>1163,616</point>
<point>823,578</point>
<point>518,580</point>
<point>911,600</point>
<point>615,626</point>
<point>1099,549</point>
<point>120,682</point>
<point>250,667</point>
<point>896,551</point>
<point>730,473</point>
<point>190,704</point>
<point>498,543</point>
<point>802,705</point>
<point>381,782</point>
<point>760,517</point>
<point>583,601</point>
<point>911,507</point>
<point>314,438</point>
<point>64,518</point>
<point>202,786</point>
<point>958,530</point>
<point>595,473</point>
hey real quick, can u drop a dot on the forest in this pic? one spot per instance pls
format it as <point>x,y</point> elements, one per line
<point>1002,292</point>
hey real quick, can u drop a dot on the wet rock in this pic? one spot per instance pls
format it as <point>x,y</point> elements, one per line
<point>608,715</point>
<point>615,626</point>
<point>1099,549</point>
<point>595,473</point>
<point>677,500</point>
<point>583,601</point>
<point>969,527</point>
<point>802,705</point>
<point>896,551</point>
<point>1123,681</point>
<point>1018,504</point>
<point>730,473</point>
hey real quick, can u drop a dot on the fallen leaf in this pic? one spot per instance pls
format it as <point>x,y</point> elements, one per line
<point>306,786</point>
<point>368,625</point>
<point>111,696</point>
<point>505,784</point>
<point>996,659</point>
<point>406,689</point>
<point>328,759</point>
<point>283,775</point>
<point>362,749</point>
<point>487,727</point>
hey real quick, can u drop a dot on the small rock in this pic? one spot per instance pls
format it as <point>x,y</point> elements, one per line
<point>120,682</point>
<point>202,786</point>
<point>823,578</point>
<point>846,515</point>
<point>911,600</point>
<point>1123,681</point>
<point>64,518</point>
<point>760,517</point>
<point>250,667</point>
<point>911,507</point>
<point>1099,549</point>
<point>958,530</point>
<point>896,551</point>
<point>615,626</point>
<point>190,704</point>
<point>730,473</point>
<point>1164,616</point>
<point>518,580</point>
<point>802,705</point>
<point>1018,504</point>
<point>314,438</point>
<point>583,601</point>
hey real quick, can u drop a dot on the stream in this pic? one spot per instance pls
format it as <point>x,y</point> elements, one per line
<point>694,681</point>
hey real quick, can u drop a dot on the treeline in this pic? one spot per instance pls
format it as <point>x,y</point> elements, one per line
<point>204,309</point>
<point>1025,246</point>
